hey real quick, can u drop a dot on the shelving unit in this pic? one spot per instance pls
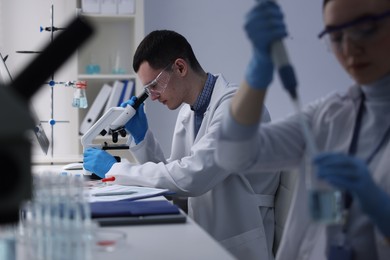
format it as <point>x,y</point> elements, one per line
<point>112,47</point>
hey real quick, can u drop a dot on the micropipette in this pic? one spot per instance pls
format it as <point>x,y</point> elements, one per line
<point>282,63</point>
<point>289,82</point>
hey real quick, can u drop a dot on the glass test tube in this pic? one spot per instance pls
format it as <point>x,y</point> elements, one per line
<point>324,201</point>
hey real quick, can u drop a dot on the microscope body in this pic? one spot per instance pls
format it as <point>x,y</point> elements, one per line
<point>112,122</point>
<point>15,154</point>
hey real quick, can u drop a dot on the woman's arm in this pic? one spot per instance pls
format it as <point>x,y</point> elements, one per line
<point>247,105</point>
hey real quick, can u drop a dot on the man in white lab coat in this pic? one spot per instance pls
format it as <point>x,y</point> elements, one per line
<point>236,208</point>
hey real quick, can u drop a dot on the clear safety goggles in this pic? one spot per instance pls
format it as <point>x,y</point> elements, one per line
<point>360,31</point>
<point>157,86</point>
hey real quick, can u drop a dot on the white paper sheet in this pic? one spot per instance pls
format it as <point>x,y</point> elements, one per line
<point>139,192</point>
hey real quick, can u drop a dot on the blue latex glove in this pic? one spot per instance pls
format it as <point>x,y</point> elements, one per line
<point>264,25</point>
<point>352,174</point>
<point>98,161</point>
<point>138,124</point>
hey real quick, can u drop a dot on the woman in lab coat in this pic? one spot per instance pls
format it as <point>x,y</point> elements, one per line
<point>351,130</point>
<point>236,208</point>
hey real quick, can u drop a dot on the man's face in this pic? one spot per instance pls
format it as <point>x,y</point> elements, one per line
<point>160,85</point>
<point>362,48</point>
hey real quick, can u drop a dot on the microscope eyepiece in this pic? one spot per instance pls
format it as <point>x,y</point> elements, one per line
<point>140,99</point>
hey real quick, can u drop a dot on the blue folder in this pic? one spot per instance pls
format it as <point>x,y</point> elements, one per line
<point>124,208</point>
<point>128,212</point>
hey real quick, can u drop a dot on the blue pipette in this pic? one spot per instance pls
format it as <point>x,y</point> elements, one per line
<point>285,69</point>
<point>283,65</point>
<point>289,82</point>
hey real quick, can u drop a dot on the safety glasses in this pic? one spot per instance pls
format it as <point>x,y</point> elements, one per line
<point>361,30</point>
<point>157,86</point>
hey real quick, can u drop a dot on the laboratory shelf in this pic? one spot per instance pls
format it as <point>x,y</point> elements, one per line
<point>108,17</point>
<point>110,49</point>
<point>107,76</point>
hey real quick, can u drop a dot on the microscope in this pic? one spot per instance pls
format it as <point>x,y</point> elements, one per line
<point>112,122</point>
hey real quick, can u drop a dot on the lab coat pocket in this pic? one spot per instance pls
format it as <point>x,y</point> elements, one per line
<point>248,245</point>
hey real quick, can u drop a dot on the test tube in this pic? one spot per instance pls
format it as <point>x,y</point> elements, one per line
<point>59,224</point>
<point>325,202</point>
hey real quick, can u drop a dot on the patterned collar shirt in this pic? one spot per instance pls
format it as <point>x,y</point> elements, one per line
<point>203,101</point>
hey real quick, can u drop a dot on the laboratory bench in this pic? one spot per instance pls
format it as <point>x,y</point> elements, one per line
<point>167,241</point>
<point>157,241</point>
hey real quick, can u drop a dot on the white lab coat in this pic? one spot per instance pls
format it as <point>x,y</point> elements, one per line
<point>282,147</point>
<point>236,208</point>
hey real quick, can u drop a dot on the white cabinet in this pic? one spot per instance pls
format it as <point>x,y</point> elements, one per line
<point>108,55</point>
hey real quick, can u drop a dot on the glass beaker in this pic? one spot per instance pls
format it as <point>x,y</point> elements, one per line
<point>92,67</point>
<point>7,242</point>
<point>80,95</point>
<point>326,203</point>
<point>116,67</point>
